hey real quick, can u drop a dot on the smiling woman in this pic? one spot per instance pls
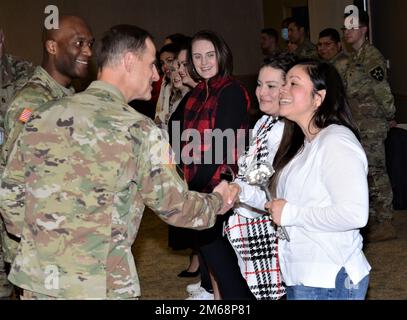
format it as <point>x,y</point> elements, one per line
<point>320,188</point>
<point>217,102</point>
<point>254,236</point>
<point>204,59</point>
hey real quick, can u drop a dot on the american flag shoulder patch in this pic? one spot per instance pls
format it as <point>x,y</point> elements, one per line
<point>25,115</point>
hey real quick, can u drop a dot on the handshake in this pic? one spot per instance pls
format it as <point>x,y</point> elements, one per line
<point>230,194</point>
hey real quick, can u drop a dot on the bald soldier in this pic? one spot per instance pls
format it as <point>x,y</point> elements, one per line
<point>372,107</point>
<point>66,54</point>
<point>90,164</point>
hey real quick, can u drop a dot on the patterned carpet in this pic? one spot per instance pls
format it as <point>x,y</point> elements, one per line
<point>158,265</point>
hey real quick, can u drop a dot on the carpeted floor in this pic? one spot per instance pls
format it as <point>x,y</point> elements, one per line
<point>158,265</point>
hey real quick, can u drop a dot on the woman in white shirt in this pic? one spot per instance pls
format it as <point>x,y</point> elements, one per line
<point>253,235</point>
<point>321,189</point>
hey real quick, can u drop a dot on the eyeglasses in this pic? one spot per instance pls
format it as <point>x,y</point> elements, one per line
<point>325,44</point>
<point>350,29</point>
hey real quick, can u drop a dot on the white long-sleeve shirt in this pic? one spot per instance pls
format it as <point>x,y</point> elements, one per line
<point>326,190</point>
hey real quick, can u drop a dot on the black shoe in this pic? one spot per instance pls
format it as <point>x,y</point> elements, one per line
<point>187,274</point>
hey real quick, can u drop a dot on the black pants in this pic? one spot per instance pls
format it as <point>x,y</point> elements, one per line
<point>222,261</point>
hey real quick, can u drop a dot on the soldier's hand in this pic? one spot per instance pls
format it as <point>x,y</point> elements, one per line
<point>229,196</point>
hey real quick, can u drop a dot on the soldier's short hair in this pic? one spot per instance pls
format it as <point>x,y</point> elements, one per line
<point>299,22</point>
<point>363,18</point>
<point>332,33</point>
<point>119,40</point>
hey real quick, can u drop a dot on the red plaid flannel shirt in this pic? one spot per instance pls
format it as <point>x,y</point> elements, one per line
<point>200,114</point>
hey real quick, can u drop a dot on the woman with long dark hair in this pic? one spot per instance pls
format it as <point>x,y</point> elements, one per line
<point>219,102</point>
<point>253,235</point>
<point>320,185</point>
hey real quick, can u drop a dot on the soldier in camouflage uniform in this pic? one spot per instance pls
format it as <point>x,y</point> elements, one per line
<point>90,164</point>
<point>67,52</point>
<point>330,49</point>
<point>14,73</point>
<point>297,36</point>
<point>372,106</point>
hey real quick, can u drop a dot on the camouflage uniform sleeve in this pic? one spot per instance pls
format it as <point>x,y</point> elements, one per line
<point>30,97</point>
<point>23,69</point>
<point>24,99</point>
<point>161,187</point>
<point>12,192</point>
<point>377,70</point>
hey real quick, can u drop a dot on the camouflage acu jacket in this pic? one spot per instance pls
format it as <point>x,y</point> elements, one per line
<point>40,89</point>
<point>90,164</point>
<point>340,61</point>
<point>14,73</point>
<point>369,93</point>
<point>307,50</point>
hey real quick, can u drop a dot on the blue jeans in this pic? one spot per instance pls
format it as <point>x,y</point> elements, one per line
<point>344,289</point>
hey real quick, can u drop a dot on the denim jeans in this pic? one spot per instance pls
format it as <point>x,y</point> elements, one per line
<point>344,289</point>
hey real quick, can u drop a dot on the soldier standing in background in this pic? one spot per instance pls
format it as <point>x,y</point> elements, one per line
<point>330,49</point>
<point>14,73</point>
<point>372,107</point>
<point>90,164</point>
<point>66,54</point>
<point>297,35</point>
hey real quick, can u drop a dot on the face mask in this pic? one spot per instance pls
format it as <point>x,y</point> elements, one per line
<point>284,33</point>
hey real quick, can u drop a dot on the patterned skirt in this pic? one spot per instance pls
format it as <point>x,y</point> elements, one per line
<point>256,246</point>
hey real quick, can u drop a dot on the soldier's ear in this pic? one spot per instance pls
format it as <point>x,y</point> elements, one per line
<point>51,46</point>
<point>129,61</point>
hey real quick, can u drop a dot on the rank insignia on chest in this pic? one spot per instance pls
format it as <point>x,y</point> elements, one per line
<point>377,73</point>
<point>25,115</point>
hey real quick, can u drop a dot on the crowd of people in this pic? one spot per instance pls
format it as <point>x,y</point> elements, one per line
<point>78,169</point>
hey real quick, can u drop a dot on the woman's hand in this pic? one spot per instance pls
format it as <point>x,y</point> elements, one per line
<point>275,207</point>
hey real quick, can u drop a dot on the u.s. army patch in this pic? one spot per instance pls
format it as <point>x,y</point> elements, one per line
<point>377,73</point>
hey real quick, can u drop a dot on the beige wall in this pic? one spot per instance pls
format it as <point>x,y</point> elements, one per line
<point>239,22</point>
<point>389,28</point>
<point>275,11</point>
<point>389,35</point>
<point>325,14</point>
<point>322,13</point>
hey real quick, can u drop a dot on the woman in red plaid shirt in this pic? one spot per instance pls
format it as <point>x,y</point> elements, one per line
<point>217,102</point>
